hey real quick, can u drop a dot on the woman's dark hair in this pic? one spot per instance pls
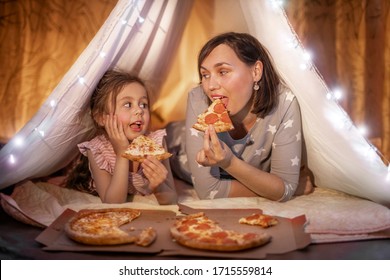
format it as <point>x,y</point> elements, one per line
<point>102,102</point>
<point>249,50</point>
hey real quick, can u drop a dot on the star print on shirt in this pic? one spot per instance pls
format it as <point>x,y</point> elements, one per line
<point>299,136</point>
<point>194,132</point>
<point>183,159</point>
<point>272,129</point>
<point>294,161</point>
<point>259,152</point>
<point>288,123</point>
<point>289,96</point>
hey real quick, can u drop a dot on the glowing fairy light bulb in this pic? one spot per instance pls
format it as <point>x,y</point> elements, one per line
<point>277,3</point>
<point>53,103</point>
<point>141,19</point>
<point>305,64</point>
<point>338,94</point>
<point>18,141</point>
<point>82,80</point>
<point>12,159</point>
<point>102,54</point>
<point>307,56</point>
<point>362,130</point>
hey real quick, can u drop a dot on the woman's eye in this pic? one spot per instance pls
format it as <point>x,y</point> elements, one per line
<point>205,76</point>
<point>223,72</point>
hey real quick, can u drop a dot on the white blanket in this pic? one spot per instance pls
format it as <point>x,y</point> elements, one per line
<point>332,216</point>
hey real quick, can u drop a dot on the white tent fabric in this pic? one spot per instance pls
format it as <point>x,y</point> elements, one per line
<point>134,37</point>
<point>338,155</point>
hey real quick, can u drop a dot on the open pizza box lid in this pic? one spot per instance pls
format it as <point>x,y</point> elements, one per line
<point>288,235</point>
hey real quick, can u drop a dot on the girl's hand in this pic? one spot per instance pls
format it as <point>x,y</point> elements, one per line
<point>214,152</point>
<point>116,135</point>
<point>154,171</point>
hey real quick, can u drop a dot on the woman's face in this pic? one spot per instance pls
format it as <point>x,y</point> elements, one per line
<point>225,76</point>
<point>132,109</point>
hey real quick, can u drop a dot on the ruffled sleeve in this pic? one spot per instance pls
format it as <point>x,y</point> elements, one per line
<point>102,152</point>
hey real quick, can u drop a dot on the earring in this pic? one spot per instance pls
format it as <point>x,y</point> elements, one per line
<point>256,86</point>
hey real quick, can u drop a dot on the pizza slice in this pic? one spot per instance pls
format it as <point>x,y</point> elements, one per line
<point>217,115</point>
<point>143,146</point>
<point>258,219</point>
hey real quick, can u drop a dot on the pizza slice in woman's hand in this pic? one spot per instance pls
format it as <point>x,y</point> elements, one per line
<point>217,115</point>
<point>143,146</point>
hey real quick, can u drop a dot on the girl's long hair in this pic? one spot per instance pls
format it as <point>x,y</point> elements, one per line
<point>103,100</point>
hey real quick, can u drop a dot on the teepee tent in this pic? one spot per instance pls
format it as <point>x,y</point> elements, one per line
<point>135,37</point>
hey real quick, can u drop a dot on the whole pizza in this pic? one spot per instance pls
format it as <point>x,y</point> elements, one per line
<point>200,232</point>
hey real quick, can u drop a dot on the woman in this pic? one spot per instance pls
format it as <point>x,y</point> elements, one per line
<point>262,155</point>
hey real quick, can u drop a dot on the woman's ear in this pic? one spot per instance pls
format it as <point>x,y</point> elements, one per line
<point>257,71</point>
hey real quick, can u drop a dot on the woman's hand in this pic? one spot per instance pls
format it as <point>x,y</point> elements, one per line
<point>154,171</point>
<point>214,152</point>
<point>116,135</point>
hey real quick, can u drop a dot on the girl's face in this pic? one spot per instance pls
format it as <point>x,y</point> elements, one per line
<point>132,109</point>
<point>225,76</point>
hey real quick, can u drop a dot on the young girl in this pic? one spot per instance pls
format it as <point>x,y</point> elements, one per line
<point>120,110</point>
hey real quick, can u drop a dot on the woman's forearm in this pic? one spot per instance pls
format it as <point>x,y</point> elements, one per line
<point>255,180</point>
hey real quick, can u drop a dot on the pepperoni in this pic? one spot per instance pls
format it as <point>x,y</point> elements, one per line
<point>225,118</point>
<point>202,227</point>
<point>250,236</point>
<point>219,108</point>
<point>219,234</point>
<point>190,222</point>
<point>192,235</point>
<point>211,118</point>
<point>182,228</point>
<point>253,217</point>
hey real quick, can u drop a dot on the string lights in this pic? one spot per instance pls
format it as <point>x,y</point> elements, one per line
<point>18,141</point>
<point>341,120</point>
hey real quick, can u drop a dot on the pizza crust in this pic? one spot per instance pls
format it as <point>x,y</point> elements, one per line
<point>140,158</point>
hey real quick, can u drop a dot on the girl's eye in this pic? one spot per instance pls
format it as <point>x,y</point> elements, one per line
<point>128,105</point>
<point>144,105</point>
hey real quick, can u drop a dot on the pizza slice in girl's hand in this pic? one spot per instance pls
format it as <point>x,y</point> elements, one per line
<point>143,146</point>
<point>217,115</point>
